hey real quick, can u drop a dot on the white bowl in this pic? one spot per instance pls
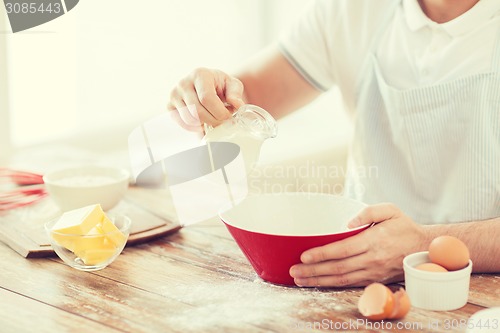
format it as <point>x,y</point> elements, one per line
<point>78,187</point>
<point>438,291</point>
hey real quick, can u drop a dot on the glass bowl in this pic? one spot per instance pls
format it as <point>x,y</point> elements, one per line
<point>90,252</point>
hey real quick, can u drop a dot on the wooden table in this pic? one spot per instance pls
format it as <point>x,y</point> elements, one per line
<point>195,280</point>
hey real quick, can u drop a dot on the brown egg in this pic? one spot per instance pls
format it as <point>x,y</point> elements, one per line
<point>378,303</point>
<point>431,267</point>
<point>449,252</point>
<point>402,304</point>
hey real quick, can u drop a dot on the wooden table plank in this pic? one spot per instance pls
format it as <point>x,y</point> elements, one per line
<point>179,280</point>
<point>198,280</point>
<point>23,229</point>
<point>42,317</point>
<point>222,299</point>
<point>86,294</point>
<point>229,290</point>
<point>110,297</point>
<point>485,290</point>
<point>429,318</point>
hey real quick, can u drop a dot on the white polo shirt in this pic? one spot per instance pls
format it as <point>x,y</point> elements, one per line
<point>330,43</point>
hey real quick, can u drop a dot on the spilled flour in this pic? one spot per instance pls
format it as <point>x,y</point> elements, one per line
<point>236,304</point>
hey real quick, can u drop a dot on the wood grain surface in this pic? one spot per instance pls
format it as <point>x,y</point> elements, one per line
<point>192,280</point>
<point>23,229</point>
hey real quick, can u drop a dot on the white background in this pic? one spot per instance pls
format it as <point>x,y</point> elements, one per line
<point>100,70</point>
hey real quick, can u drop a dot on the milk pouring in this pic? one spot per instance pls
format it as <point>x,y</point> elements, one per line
<point>249,126</point>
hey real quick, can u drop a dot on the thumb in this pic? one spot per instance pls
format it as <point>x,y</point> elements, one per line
<point>375,214</point>
<point>234,92</point>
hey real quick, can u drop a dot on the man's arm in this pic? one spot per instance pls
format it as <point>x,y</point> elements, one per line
<point>275,85</point>
<point>268,81</point>
<point>481,237</point>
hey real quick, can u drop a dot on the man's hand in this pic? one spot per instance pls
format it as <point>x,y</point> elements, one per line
<point>376,254</point>
<point>209,96</point>
<point>205,96</point>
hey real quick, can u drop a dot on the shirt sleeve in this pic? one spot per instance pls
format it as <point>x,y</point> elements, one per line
<point>306,45</point>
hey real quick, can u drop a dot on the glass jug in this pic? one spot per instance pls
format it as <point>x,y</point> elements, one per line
<point>249,127</point>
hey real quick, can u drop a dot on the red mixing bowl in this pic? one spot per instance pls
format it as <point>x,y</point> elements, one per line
<point>273,230</point>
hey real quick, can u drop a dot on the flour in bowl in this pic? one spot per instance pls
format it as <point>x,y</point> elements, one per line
<point>85,181</point>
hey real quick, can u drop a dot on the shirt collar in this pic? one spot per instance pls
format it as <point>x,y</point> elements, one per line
<point>480,13</point>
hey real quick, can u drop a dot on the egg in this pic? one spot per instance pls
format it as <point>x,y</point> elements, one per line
<point>402,304</point>
<point>449,252</point>
<point>431,267</point>
<point>378,303</point>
